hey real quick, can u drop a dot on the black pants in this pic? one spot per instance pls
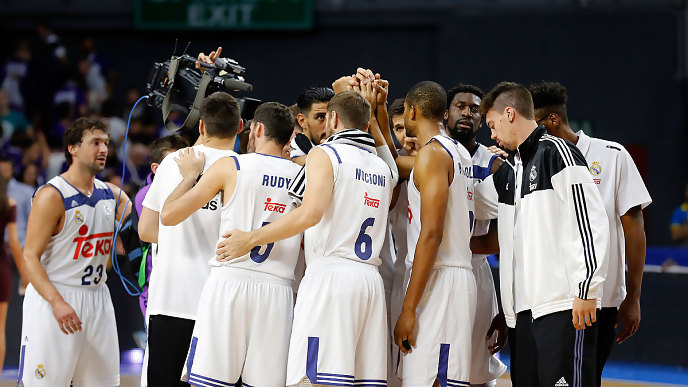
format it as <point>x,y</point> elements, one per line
<point>606,319</point>
<point>168,344</point>
<point>549,352</point>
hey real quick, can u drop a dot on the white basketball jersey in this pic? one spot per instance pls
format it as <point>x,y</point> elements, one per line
<point>78,254</point>
<point>455,249</point>
<point>355,224</point>
<point>482,162</point>
<point>261,197</point>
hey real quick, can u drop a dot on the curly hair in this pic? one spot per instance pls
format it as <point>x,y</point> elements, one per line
<point>550,97</point>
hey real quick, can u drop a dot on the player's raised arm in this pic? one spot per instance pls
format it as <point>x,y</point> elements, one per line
<point>45,220</point>
<point>318,195</point>
<point>432,174</point>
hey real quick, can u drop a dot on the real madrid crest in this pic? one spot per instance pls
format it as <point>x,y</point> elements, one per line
<point>78,217</point>
<point>533,174</point>
<point>40,371</point>
<point>108,210</point>
<point>595,168</point>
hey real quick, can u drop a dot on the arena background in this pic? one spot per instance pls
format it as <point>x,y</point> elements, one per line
<point>624,63</point>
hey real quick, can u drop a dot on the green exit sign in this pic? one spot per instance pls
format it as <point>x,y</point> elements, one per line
<point>224,14</point>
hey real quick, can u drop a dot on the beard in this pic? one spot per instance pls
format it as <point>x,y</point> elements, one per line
<point>96,168</point>
<point>459,134</point>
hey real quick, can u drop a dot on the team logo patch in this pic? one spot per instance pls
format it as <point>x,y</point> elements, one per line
<point>533,174</point>
<point>470,194</point>
<point>370,202</point>
<point>274,207</point>
<point>596,169</point>
<point>40,371</point>
<point>78,217</point>
<point>108,210</point>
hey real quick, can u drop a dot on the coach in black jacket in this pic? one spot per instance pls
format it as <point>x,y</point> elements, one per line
<point>553,238</point>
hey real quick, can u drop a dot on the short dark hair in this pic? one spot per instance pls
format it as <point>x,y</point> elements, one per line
<point>461,88</point>
<point>353,110</point>
<point>313,95</point>
<point>172,143</point>
<point>430,98</point>
<point>278,120</point>
<point>508,94</point>
<point>551,97</point>
<point>396,108</point>
<point>220,114</point>
<point>75,133</point>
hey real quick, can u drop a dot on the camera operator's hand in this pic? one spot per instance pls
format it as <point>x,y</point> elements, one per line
<point>190,165</point>
<point>210,59</point>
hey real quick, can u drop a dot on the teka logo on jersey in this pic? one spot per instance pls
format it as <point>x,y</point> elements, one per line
<point>370,202</point>
<point>92,245</point>
<point>274,207</point>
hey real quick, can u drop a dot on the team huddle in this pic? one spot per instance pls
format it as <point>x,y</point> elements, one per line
<point>390,208</point>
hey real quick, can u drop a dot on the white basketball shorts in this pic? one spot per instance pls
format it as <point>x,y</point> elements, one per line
<point>444,321</point>
<point>242,330</point>
<point>484,366</point>
<point>340,333</point>
<point>87,358</point>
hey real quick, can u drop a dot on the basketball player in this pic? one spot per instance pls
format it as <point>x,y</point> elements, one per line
<point>625,196</point>
<point>463,121</point>
<point>256,286</point>
<point>553,239</point>
<point>339,334</point>
<point>183,250</point>
<point>312,104</point>
<point>69,334</point>
<point>442,286</point>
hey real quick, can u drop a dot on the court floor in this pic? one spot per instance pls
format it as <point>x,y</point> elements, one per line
<point>616,375</point>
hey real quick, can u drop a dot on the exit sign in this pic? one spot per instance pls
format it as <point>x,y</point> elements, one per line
<point>224,14</point>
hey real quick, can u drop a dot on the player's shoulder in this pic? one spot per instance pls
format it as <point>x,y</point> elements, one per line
<point>606,146</point>
<point>48,196</point>
<point>560,153</point>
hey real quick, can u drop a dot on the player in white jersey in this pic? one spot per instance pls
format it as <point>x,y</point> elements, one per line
<point>463,121</point>
<point>68,242</point>
<point>625,196</point>
<point>339,334</point>
<point>442,286</point>
<point>183,250</point>
<point>246,304</point>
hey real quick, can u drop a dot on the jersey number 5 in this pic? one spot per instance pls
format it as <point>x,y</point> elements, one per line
<point>364,243</point>
<point>256,256</point>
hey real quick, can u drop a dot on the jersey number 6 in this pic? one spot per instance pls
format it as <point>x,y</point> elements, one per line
<point>364,243</point>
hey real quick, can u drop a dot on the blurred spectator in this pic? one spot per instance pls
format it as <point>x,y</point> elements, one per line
<point>14,74</point>
<point>20,192</point>
<point>47,68</point>
<point>33,155</point>
<point>98,61</point>
<point>11,121</point>
<point>118,127</point>
<point>52,42</point>
<point>63,117</point>
<point>679,222</point>
<point>73,91</point>
<point>96,86</point>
